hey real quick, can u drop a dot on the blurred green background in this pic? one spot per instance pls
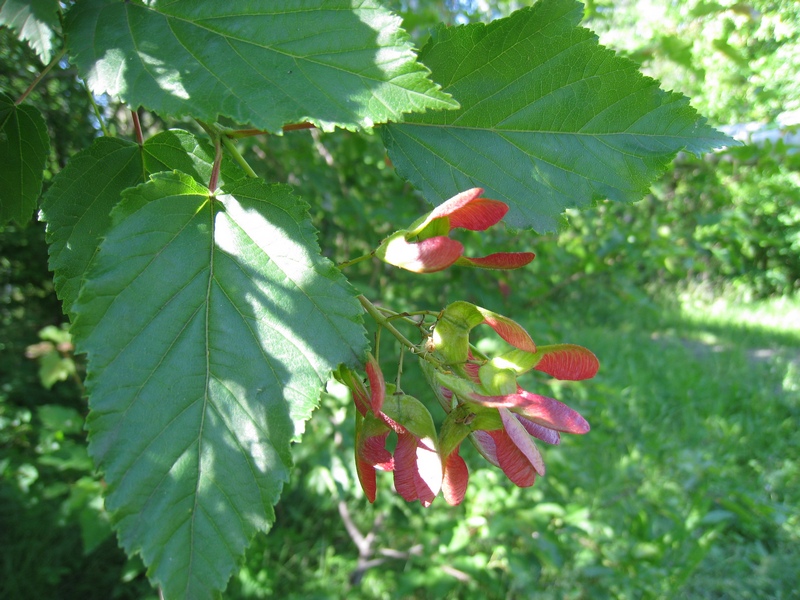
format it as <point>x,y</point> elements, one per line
<point>688,485</point>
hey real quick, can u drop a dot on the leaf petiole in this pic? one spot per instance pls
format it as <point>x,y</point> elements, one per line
<point>214,180</point>
<point>353,261</point>
<point>237,156</point>
<point>96,109</point>
<point>406,314</point>
<point>137,127</point>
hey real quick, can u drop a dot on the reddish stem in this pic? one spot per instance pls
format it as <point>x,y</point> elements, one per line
<point>243,133</point>
<point>212,184</point>
<point>137,127</point>
<point>296,126</point>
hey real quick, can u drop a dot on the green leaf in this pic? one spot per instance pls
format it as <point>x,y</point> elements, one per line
<point>54,368</point>
<point>60,419</point>
<point>86,503</point>
<point>24,146</point>
<point>34,21</point>
<point>334,63</point>
<point>210,324</point>
<point>77,207</point>
<point>549,119</point>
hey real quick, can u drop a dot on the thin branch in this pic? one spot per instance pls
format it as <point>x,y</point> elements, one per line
<point>39,77</point>
<point>243,133</point>
<point>384,323</point>
<point>407,316</point>
<point>377,344</point>
<point>399,370</point>
<point>362,567</point>
<point>415,550</point>
<point>364,544</point>
<point>326,155</point>
<point>211,130</point>
<point>458,574</point>
<point>323,151</point>
<point>408,313</point>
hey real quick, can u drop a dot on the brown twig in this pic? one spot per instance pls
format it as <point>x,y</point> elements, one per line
<point>365,543</point>
<point>39,77</point>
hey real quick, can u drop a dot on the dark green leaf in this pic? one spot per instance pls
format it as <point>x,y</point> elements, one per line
<point>549,119</point>
<point>334,63</point>
<point>78,205</point>
<point>34,22</point>
<point>210,324</point>
<point>24,146</point>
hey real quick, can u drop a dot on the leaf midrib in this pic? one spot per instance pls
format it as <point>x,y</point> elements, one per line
<point>539,131</point>
<point>514,176</point>
<point>207,318</point>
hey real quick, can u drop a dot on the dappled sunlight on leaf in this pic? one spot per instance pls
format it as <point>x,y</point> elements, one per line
<point>263,65</point>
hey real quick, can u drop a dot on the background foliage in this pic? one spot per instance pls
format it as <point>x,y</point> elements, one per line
<point>686,482</point>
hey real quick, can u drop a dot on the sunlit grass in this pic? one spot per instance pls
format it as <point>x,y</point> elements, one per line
<point>779,315</point>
